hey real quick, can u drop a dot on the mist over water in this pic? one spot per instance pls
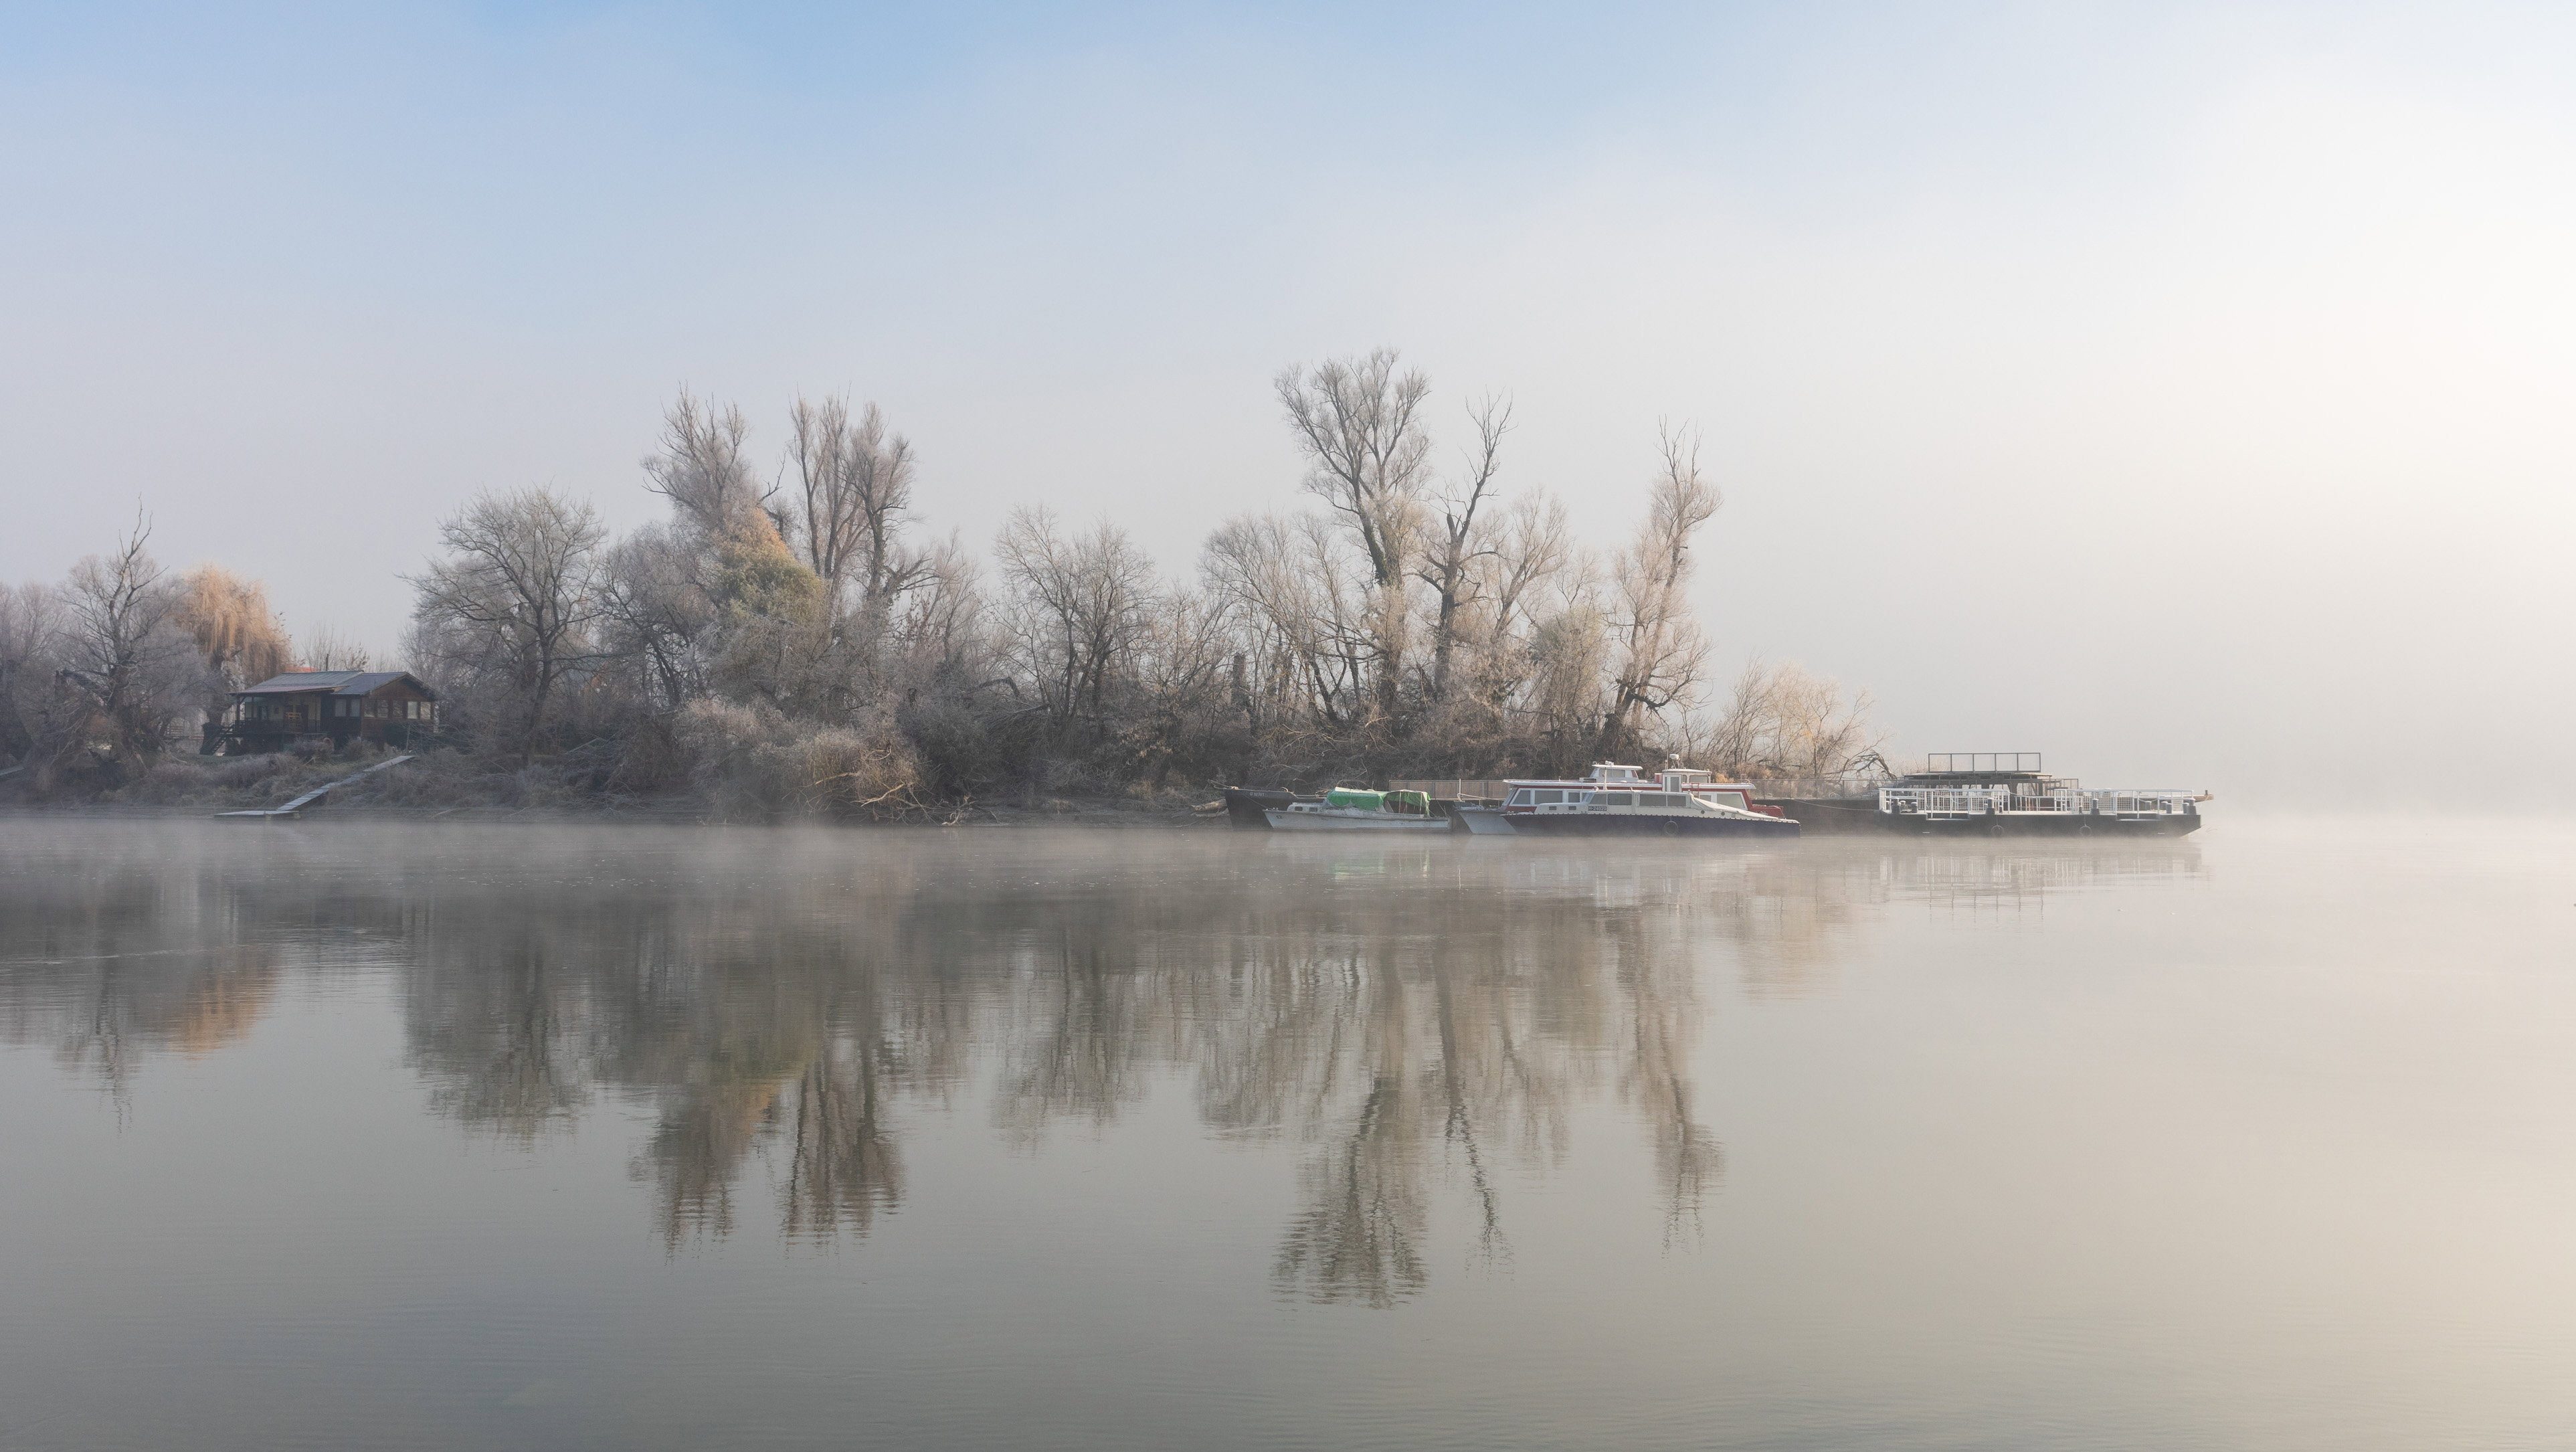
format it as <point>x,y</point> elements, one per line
<point>413,1135</point>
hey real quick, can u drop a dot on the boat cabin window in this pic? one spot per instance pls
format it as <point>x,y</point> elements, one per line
<point>1551,798</point>
<point>1520,798</point>
<point>1618,799</point>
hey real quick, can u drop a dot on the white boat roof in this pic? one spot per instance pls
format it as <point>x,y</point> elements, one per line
<point>1644,782</point>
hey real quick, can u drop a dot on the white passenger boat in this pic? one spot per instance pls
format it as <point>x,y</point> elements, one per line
<point>1346,809</point>
<point>1618,800</point>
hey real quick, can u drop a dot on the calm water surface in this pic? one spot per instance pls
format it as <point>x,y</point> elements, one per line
<point>343,1135</point>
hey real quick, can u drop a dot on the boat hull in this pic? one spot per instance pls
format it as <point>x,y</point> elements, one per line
<point>1282,820</point>
<point>1485,821</point>
<point>1860,814</point>
<point>1607,824</point>
<point>2038,824</point>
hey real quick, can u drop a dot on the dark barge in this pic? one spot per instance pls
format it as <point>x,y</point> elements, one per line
<point>1247,808</point>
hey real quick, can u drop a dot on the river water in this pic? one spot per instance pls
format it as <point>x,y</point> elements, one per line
<point>339,1134</point>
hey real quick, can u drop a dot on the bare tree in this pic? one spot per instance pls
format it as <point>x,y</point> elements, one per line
<point>1449,566</point>
<point>1080,608</point>
<point>518,595</point>
<point>702,469</point>
<point>1660,652</point>
<point>655,614</point>
<point>328,648</point>
<point>35,712</point>
<point>854,491</point>
<point>1304,614</point>
<point>1782,724</point>
<point>942,628</point>
<point>1534,547</point>
<point>125,652</point>
<point>1368,457</point>
<point>1358,423</point>
<point>1569,650</point>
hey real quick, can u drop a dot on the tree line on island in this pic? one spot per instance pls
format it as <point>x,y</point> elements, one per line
<point>790,641</point>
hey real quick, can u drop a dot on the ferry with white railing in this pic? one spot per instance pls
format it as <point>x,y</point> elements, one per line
<point>1618,800</point>
<point>1998,794</point>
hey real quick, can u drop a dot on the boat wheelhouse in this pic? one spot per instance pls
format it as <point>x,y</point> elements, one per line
<point>1619,800</point>
<point>1349,809</point>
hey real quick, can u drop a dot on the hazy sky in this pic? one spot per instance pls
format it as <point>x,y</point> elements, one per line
<point>2185,392</point>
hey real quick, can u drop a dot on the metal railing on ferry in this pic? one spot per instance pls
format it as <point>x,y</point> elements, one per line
<point>1983,801</point>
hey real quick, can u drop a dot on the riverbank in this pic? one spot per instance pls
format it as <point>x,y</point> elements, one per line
<point>451,786</point>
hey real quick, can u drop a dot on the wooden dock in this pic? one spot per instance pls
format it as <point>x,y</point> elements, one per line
<point>296,807</point>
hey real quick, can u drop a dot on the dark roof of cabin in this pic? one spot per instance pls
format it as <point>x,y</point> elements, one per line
<point>337,683</point>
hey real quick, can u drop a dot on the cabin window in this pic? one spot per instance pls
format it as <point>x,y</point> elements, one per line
<point>1519,798</point>
<point>1616,799</point>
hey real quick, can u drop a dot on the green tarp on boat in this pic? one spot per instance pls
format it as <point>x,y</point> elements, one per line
<point>1410,804</point>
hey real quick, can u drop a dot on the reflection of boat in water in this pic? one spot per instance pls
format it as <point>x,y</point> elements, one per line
<point>1616,801</point>
<point>1997,794</point>
<point>1345,809</point>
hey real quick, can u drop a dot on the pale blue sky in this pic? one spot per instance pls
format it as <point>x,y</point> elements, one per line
<point>2182,390</point>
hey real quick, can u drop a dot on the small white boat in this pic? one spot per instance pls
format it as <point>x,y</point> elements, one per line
<point>1345,809</point>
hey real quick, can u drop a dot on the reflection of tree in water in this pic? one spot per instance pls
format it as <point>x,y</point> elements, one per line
<point>111,957</point>
<point>1425,1028</point>
<point>1411,1017</point>
<point>1358,1238</point>
<point>845,1170</point>
<point>753,1015</point>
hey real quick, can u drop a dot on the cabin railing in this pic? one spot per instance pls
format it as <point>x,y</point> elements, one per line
<point>1996,800</point>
